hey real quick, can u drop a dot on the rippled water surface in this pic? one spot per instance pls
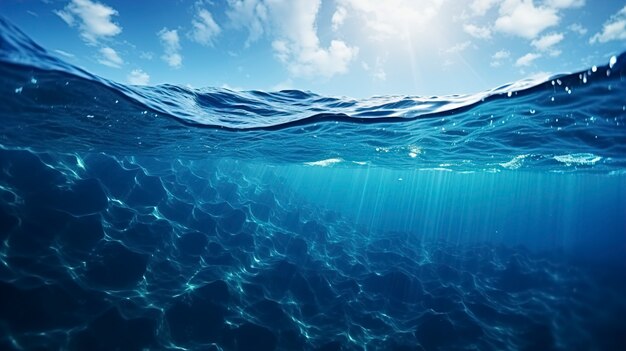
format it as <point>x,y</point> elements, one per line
<point>163,217</point>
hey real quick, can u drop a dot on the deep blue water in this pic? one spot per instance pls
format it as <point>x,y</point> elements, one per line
<point>164,217</point>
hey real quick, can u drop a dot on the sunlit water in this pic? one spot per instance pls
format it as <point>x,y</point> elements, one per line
<point>168,218</point>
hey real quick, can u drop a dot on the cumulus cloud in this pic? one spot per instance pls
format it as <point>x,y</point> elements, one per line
<point>524,19</point>
<point>302,52</point>
<point>339,17</point>
<point>613,29</point>
<point>251,15</point>
<point>93,19</point>
<point>498,57</point>
<point>393,18</point>
<point>502,54</point>
<point>146,55</point>
<point>477,32</point>
<point>295,41</point>
<point>564,4</point>
<point>578,28</point>
<point>171,47</point>
<point>547,41</point>
<point>110,57</point>
<point>527,59</point>
<point>205,29</point>
<point>138,77</point>
<point>377,72</point>
<point>480,7</point>
<point>457,48</point>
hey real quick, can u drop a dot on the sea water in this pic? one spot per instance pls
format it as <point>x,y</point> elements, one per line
<point>164,217</point>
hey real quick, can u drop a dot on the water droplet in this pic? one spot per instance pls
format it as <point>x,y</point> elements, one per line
<point>594,69</point>
<point>612,61</point>
<point>509,94</point>
<point>18,90</point>
<point>33,80</point>
<point>532,112</point>
<point>90,116</point>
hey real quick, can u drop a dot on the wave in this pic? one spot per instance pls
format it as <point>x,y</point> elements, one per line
<point>50,104</point>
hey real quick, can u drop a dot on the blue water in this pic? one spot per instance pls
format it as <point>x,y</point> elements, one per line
<point>164,217</point>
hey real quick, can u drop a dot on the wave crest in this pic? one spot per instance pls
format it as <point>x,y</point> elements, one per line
<point>49,104</point>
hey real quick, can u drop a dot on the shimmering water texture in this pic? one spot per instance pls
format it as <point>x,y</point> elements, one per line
<point>166,218</point>
<point>566,122</point>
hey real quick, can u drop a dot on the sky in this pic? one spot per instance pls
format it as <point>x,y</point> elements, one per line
<point>356,48</point>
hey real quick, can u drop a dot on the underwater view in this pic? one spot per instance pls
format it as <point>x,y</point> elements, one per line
<point>169,217</point>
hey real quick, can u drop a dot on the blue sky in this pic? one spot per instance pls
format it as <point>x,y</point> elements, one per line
<point>354,48</point>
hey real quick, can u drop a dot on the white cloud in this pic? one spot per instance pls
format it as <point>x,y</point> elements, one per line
<point>457,48</point>
<point>527,59</point>
<point>480,7</point>
<point>92,18</point>
<point>477,32</point>
<point>146,55</point>
<point>138,77</point>
<point>171,46</point>
<point>496,59</point>
<point>578,28</point>
<point>110,57</point>
<point>377,72</point>
<point>249,14</point>
<point>524,19</point>
<point>547,41</point>
<point>205,29</point>
<point>295,41</point>
<point>393,18</point>
<point>565,4</point>
<point>554,52</point>
<point>281,50</point>
<point>501,55</point>
<point>339,17</point>
<point>613,29</point>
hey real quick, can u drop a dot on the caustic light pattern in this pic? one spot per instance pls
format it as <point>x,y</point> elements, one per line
<point>162,217</point>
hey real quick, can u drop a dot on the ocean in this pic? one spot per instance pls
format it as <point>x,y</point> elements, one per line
<point>171,218</point>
